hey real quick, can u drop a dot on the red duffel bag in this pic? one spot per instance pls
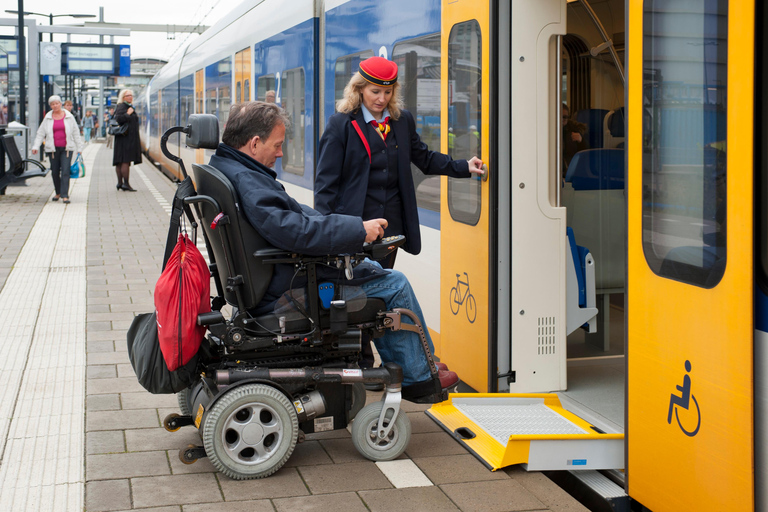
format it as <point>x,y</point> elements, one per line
<point>182,292</point>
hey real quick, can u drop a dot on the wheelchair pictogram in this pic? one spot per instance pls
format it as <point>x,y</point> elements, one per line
<point>684,401</point>
<point>460,294</point>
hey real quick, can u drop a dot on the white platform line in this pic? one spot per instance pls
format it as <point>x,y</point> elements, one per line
<point>42,403</point>
<point>404,473</point>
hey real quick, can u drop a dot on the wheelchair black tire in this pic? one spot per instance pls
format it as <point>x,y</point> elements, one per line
<point>364,431</point>
<point>358,400</point>
<point>236,409</point>
<point>185,403</point>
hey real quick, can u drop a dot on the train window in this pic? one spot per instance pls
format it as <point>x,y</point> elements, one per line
<point>292,100</point>
<point>685,89</point>
<point>218,90</point>
<point>418,62</point>
<point>346,67</point>
<point>187,95</point>
<point>465,76</point>
<point>266,84</point>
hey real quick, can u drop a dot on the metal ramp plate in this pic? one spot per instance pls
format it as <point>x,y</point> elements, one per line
<point>529,429</point>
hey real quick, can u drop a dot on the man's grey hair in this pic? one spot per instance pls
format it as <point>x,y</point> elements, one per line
<point>251,119</point>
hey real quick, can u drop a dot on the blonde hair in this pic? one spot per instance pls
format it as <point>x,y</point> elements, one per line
<point>353,97</point>
<point>122,94</point>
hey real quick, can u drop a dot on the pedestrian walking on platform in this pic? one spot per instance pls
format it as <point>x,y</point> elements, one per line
<point>128,145</point>
<point>61,134</point>
<point>87,126</point>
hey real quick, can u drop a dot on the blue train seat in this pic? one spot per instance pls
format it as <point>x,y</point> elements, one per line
<point>597,169</point>
<point>613,131</point>
<point>580,289</point>
<point>593,118</point>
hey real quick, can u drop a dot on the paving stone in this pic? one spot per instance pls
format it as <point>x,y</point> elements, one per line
<point>421,423</point>
<point>342,450</point>
<point>547,491</point>
<point>108,441</point>
<point>433,444</point>
<point>283,484</point>
<point>97,326</point>
<point>309,453</point>
<point>107,495</point>
<point>423,499</point>
<point>95,403</point>
<point>101,372</point>
<point>232,506</point>
<point>110,357</point>
<point>93,346</point>
<point>125,370</point>
<point>456,468</point>
<point>200,466</point>
<point>145,400</point>
<point>174,490</point>
<point>120,420</point>
<point>354,476</point>
<point>497,496</point>
<point>172,508</point>
<point>347,501</point>
<point>126,465</point>
<point>103,386</point>
<point>152,439</point>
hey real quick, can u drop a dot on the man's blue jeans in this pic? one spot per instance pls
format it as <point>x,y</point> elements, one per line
<point>401,347</point>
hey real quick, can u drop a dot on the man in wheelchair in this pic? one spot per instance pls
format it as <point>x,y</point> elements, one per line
<point>252,142</point>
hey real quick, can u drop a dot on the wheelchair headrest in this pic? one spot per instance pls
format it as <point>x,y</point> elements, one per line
<point>203,131</point>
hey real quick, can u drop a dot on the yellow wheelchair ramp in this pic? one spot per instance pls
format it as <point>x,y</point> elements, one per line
<point>530,429</point>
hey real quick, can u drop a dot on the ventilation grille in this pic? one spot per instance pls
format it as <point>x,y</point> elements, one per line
<point>546,335</point>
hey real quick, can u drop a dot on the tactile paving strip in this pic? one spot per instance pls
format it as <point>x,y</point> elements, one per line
<point>42,400</point>
<point>504,420</point>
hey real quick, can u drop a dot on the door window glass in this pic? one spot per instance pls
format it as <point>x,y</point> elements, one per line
<point>418,63</point>
<point>293,102</point>
<point>346,67</point>
<point>465,75</point>
<point>685,85</point>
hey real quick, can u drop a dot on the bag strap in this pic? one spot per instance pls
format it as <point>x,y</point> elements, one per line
<point>362,137</point>
<point>186,189</point>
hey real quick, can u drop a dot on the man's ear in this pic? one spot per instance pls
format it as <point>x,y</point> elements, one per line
<point>252,144</point>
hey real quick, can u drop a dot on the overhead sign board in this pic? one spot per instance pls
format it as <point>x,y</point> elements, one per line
<point>96,59</point>
<point>9,53</point>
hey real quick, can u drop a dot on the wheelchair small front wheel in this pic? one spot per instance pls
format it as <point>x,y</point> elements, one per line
<point>250,431</point>
<point>366,440</point>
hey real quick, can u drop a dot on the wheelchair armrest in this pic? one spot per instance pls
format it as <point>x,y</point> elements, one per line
<point>202,199</point>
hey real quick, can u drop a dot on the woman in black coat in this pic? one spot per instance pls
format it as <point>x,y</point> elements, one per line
<point>366,151</point>
<point>127,146</point>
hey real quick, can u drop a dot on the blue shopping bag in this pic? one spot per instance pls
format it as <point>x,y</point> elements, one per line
<point>77,170</point>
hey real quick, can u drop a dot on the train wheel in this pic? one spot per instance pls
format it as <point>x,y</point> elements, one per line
<point>250,431</point>
<point>366,440</point>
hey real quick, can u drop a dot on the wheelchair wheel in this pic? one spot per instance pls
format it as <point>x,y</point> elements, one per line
<point>358,400</point>
<point>250,431</point>
<point>366,441</point>
<point>184,398</point>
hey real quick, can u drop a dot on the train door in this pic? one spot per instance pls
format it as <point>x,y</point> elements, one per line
<point>200,107</point>
<point>503,239</point>
<point>243,75</point>
<point>690,326</point>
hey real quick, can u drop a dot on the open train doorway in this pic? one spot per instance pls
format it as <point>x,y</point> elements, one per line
<point>592,113</point>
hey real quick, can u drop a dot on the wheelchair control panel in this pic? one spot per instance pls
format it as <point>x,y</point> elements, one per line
<point>380,248</point>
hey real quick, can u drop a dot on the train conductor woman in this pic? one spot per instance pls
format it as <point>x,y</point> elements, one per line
<point>366,151</point>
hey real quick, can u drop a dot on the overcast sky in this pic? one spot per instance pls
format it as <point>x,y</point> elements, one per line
<point>143,44</point>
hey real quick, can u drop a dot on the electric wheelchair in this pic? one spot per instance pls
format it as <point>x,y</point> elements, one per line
<point>267,380</point>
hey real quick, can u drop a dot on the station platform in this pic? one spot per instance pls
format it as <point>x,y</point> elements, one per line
<point>78,432</point>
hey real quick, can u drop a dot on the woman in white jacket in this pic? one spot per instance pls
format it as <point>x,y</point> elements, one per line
<point>61,135</point>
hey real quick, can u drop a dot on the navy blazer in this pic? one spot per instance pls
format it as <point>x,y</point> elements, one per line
<point>343,165</point>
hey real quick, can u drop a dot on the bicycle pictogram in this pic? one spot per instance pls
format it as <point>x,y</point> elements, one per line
<point>684,401</point>
<point>458,297</point>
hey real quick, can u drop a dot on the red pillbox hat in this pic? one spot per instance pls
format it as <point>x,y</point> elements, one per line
<point>379,71</point>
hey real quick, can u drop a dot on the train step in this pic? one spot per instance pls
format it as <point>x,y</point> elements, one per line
<point>533,430</point>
